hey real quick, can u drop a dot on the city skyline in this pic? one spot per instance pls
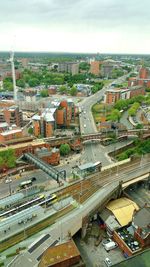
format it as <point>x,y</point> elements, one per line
<point>105,26</point>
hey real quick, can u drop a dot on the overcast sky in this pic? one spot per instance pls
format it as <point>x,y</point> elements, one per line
<point>105,26</point>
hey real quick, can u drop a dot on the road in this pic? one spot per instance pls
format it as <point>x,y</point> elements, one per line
<point>87,125</point>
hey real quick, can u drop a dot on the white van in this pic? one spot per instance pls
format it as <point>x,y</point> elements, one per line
<point>110,245</point>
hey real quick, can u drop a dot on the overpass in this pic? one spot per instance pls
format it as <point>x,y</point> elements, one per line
<point>51,171</point>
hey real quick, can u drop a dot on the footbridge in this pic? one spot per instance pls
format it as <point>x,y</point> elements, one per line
<point>51,171</point>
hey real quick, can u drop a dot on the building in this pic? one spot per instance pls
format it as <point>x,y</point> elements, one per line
<point>52,90</point>
<point>59,115</point>
<point>141,225</point>
<point>69,67</point>
<point>4,127</point>
<point>95,67</point>
<point>114,94</point>
<point>10,135</point>
<point>140,260</point>
<point>136,90</point>
<point>44,123</point>
<point>50,156</point>
<point>144,73</point>
<point>143,79</point>
<point>63,255</point>
<point>30,95</point>
<point>12,115</point>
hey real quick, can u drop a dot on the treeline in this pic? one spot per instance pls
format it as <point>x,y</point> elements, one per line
<point>140,148</point>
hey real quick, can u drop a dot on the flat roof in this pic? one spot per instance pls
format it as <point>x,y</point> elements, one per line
<point>123,209</point>
<point>10,132</point>
<point>23,145</point>
<point>59,253</point>
<point>86,166</point>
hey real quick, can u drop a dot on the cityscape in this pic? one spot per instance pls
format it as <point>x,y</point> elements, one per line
<point>74,135</point>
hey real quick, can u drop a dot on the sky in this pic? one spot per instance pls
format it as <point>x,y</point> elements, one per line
<point>90,26</point>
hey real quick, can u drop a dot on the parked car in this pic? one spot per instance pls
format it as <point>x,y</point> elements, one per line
<point>33,179</point>
<point>7,181</point>
<point>108,262</point>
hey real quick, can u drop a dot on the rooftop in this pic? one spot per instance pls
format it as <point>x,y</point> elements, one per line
<point>59,253</point>
<point>122,209</point>
<point>11,132</point>
<point>142,218</point>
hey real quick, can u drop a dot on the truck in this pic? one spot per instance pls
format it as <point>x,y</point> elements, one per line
<point>110,245</point>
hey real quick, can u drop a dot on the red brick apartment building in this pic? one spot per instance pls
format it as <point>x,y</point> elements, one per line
<point>114,94</point>
<point>12,115</point>
<point>60,116</point>
<point>142,80</point>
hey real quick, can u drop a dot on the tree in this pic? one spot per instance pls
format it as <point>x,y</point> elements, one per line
<point>30,130</point>
<point>21,83</point>
<point>33,82</point>
<point>121,104</point>
<point>1,161</point>
<point>44,93</point>
<point>139,126</point>
<point>63,89</point>
<point>73,90</point>
<point>84,66</point>
<point>115,115</point>
<point>64,149</point>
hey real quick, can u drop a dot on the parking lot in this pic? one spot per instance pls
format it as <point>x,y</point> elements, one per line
<point>95,256</point>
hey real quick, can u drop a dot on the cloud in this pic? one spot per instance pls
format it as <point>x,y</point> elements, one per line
<point>80,19</point>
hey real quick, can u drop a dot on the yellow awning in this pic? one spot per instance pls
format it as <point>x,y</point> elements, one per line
<point>122,209</point>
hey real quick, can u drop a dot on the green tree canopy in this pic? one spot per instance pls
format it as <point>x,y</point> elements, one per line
<point>64,149</point>
<point>33,82</point>
<point>73,90</point>
<point>44,93</point>
<point>115,115</point>
<point>21,83</point>
<point>63,89</point>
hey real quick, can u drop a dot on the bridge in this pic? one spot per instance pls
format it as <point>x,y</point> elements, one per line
<point>51,171</point>
<point>96,137</point>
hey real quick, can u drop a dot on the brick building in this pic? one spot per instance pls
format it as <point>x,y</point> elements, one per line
<point>95,67</point>
<point>143,79</point>
<point>12,115</point>
<point>141,225</point>
<point>10,135</point>
<point>49,155</point>
<point>63,255</point>
<point>114,94</point>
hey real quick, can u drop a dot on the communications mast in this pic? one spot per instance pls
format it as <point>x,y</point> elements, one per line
<point>11,60</point>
